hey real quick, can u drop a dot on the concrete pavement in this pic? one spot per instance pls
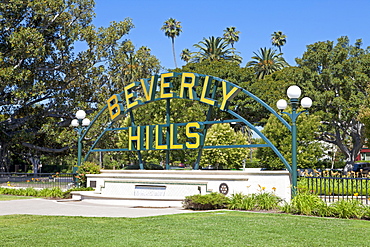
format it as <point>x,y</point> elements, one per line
<point>39,206</point>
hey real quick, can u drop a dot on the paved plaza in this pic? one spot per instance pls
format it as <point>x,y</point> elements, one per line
<point>39,206</point>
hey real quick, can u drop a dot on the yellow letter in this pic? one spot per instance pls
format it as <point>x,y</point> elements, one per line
<point>173,138</point>
<point>158,138</point>
<point>196,135</point>
<point>130,102</point>
<point>189,86</point>
<point>132,138</point>
<point>166,86</point>
<point>115,107</point>
<point>228,94</point>
<point>149,89</point>
<point>205,92</point>
<point>149,137</point>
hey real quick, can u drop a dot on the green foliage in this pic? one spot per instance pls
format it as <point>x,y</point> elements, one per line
<point>267,201</point>
<point>55,192</point>
<point>259,201</point>
<point>215,49</point>
<point>346,186</point>
<point>310,204</point>
<point>231,35</point>
<point>223,134</point>
<point>306,203</point>
<point>86,168</point>
<point>44,80</point>
<point>308,149</point>
<point>52,193</point>
<point>172,28</point>
<point>348,209</point>
<point>278,39</point>
<point>336,77</point>
<point>266,62</point>
<point>210,201</point>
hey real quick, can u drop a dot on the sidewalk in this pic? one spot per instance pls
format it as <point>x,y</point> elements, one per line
<point>80,208</point>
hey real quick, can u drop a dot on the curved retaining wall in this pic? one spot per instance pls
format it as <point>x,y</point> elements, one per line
<point>169,187</point>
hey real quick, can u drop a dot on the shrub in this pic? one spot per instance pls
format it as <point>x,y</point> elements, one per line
<point>210,201</point>
<point>55,192</point>
<point>239,201</point>
<point>349,209</point>
<point>267,201</point>
<point>86,168</point>
<point>236,201</point>
<point>306,203</point>
<point>261,201</point>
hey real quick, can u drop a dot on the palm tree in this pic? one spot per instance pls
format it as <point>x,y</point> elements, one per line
<point>278,39</point>
<point>231,36</point>
<point>185,55</point>
<point>172,29</point>
<point>267,62</point>
<point>215,49</point>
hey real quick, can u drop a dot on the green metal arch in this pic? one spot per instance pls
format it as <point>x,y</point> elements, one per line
<point>231,112</point>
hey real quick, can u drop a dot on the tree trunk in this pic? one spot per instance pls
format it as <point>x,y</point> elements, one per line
<point>173,51</point>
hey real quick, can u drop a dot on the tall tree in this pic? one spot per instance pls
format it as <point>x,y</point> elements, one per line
<point>278,39</point>
<point>267,62</point>
<point>337,77</point>
<point>185,55</point>
<point>309,151</point>
<point>44,80</point>
<point>231,35</point>
<point>172,29</point>
<point>215,49</point>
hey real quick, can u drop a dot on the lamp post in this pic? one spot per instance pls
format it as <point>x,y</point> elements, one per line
<point>294,92</point>
<point>80,123</point>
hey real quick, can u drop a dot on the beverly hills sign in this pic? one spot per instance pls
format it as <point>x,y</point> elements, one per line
<point>192,86</point>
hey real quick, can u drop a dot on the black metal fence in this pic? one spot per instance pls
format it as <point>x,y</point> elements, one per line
<point>331,189</point>
<point>64,181</point>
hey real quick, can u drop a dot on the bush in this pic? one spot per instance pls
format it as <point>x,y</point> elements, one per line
<point>348,209</point>
<point>210,201</point>
<point>242,202</point>
<point>86,168</point>
<point>306,203</point>
<point>261,201</point>
<point>267,201</point>
<point>54,193</point>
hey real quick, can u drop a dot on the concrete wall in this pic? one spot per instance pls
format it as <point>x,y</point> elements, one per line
<point>176,184</point>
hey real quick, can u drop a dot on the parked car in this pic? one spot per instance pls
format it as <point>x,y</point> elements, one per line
<point>361,166</point>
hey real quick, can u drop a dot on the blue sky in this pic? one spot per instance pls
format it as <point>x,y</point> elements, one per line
<point>304,23</point>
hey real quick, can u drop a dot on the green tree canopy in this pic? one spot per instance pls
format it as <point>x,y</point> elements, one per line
<point>215,49</point>
<point>231,35</point>
<point>44,79</point>
<point>336,76</point>
<point>309,150</point>
<point>266,62</point>
<point>278,39</point>
<point>224,134</point>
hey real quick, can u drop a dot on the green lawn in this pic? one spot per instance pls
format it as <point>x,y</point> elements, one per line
<point>10,197</point>
<point>220,228</point>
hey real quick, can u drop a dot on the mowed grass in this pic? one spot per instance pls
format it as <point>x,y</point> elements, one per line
<point>218,228</point>
<point>10,197</point>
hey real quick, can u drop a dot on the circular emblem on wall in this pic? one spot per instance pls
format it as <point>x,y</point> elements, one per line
<point>224,189</point>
